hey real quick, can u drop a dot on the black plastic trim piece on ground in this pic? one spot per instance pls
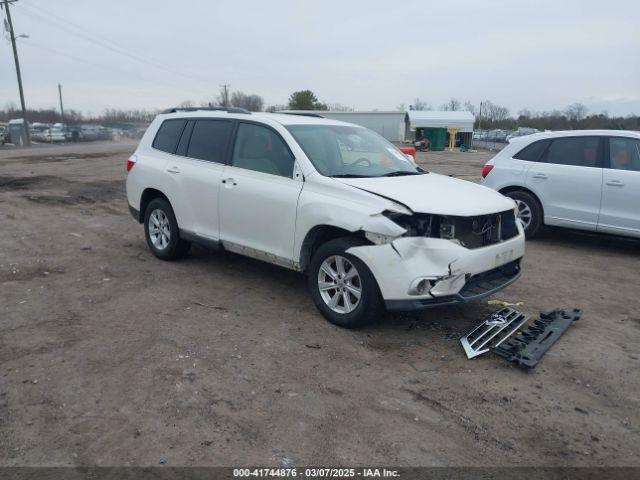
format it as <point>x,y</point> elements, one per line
<point>526,349</point>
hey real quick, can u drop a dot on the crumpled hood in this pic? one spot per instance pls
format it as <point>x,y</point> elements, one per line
<point>437,194</point>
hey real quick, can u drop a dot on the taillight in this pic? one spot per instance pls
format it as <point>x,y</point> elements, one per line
<point>486,170</point>
<point>131,162</point>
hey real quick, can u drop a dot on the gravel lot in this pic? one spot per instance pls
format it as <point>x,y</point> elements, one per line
<point>111,357</point>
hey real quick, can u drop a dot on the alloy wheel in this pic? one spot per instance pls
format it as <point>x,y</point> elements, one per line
<point>159,229</point>
<point>339,284</point>
<point>524,213</point>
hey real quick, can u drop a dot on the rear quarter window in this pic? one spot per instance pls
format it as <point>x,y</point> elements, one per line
<point>168,135</point>
<point>532,152</point>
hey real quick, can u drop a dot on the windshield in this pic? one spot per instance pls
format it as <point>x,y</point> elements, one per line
<point>344,151</point>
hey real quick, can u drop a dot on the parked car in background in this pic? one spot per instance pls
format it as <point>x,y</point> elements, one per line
<point>497,136</point>
<point>520,132</point>
<point>54,135</point>
<point>583,179</point>
<point>94,132</point>
<point>369,227</point>
<point>38,131</point>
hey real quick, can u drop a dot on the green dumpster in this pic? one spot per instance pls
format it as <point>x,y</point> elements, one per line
<point>437,138</point>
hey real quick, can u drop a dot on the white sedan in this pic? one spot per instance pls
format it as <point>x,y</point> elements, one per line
<point>582,179</point>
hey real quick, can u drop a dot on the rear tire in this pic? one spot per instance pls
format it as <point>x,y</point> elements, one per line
<point>529,212</point>
<point>161,231</point>
<point>350,297</point>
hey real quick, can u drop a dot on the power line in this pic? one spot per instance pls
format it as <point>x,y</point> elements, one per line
<point>30,43</point>
<point>54,20</point>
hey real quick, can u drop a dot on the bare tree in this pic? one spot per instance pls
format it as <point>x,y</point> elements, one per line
<point>186,104</point>
<point>453,104</point>
<point>525,113</point>
<point>401,107</point>
<point>576,112</point>
<point>419,105</point>
<point>470,107</point>
<point>253,103</point>
<point>223,97</point>
<point>494,113</point>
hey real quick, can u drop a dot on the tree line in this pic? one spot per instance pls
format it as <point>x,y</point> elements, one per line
<point>489,115</point>
<point>576,116</point>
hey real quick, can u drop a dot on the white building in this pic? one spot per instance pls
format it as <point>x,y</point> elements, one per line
<point>391,125</point>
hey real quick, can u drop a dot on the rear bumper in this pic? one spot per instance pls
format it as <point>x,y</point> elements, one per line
<point>475,288</point>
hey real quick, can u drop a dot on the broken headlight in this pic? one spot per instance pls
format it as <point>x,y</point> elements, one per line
<point>379,239</point>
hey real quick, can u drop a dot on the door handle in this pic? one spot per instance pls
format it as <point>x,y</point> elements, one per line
<point>541,176</point>
<point>173,170</point>
<point>230,182</point>
<point>615,183</point>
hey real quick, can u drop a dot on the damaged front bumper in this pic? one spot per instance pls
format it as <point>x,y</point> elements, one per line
<point>452,273</point>
<point>476,287</point>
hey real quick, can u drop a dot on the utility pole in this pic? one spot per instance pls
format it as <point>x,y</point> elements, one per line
<point>15,57</point>
<point>61,108</point>
<point>225,94</point>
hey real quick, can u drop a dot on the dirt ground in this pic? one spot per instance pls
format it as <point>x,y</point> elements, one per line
<point>109,356</point>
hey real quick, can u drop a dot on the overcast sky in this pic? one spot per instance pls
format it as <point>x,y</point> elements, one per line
<point>365,54</point>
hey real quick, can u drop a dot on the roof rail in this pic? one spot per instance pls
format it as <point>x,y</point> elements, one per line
<point>218,109</point>
<point>302,114</point>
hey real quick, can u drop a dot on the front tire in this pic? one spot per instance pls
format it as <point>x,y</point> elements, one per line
<point>161,231</point>
<point>529,212</point>
<point>342,286</point>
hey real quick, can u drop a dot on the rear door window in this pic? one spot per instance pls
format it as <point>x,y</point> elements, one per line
<point>209,140</point>
<point>577,151</point>
<point>168,135</point>
<point>624,154</point>
<point>533,152</point>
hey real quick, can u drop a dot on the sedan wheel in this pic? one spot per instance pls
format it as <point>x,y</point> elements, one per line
<point>339,284</point>
<point>529,211</point>
<point>524,213</point>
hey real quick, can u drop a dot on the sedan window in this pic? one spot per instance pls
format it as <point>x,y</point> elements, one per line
<point>624,153</point>
<point>532,152</point>
<point>578,151</point>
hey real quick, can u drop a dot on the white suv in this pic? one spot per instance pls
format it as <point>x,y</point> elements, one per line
<point>337,201</point>
<point>582,179</point>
